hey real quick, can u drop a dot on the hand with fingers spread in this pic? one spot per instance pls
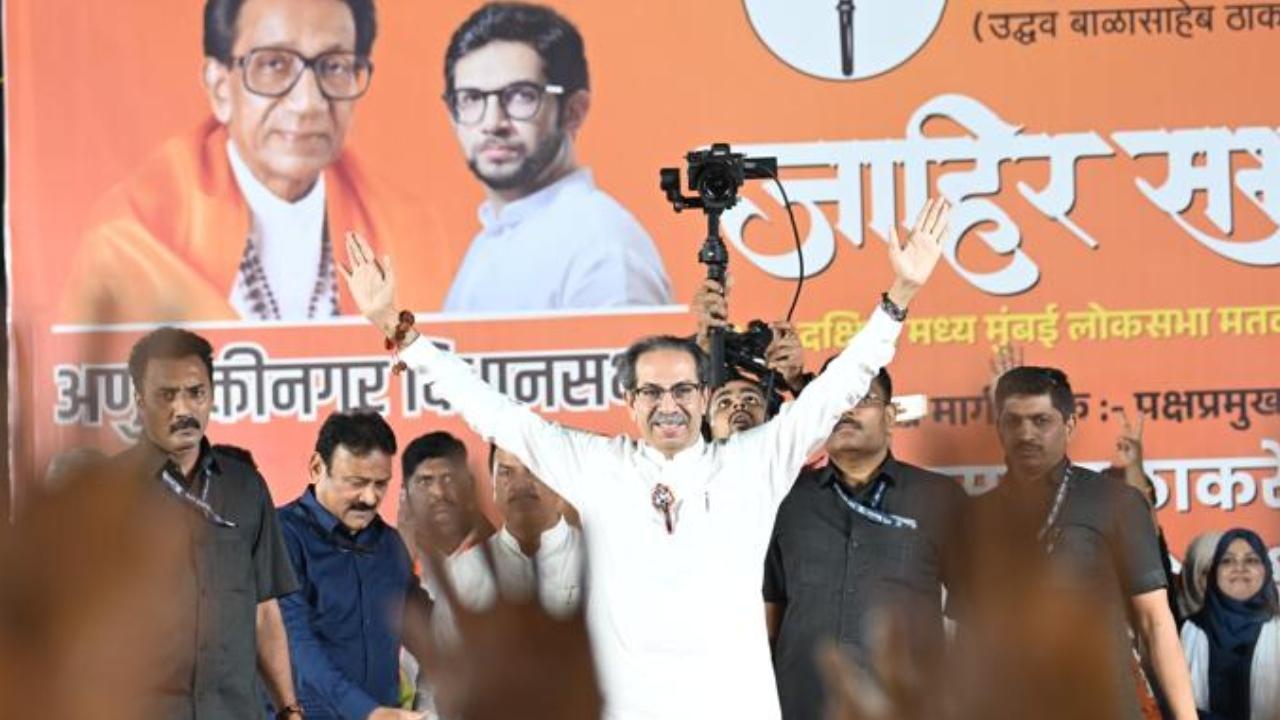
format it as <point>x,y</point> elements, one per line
<point>913,261</point>
<point>785,354</point>
<point>711,306</point>
<point>372,284</point>
<point>886,683</point>
<point>514,660</point>
<point>1007,357</point>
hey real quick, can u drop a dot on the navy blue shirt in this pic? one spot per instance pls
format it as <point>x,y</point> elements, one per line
<point>344,622</point>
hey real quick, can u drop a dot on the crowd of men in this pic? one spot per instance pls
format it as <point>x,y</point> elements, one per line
<point>705,568</point>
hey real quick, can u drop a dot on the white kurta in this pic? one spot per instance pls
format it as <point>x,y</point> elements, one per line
<point>676,620</point>
<point>559,560</point>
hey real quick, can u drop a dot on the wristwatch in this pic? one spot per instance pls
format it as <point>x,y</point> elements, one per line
<point>895,312</point>
<point>292,710</point>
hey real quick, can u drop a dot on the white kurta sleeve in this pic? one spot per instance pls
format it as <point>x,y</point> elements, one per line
<point>785,442</point>
<point>563,458</point>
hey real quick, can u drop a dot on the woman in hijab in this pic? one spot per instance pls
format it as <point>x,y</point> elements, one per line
<point>1194,577</point>
<point>1233,644</point>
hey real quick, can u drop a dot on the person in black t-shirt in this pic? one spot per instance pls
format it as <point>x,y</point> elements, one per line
<point>1054,537</point>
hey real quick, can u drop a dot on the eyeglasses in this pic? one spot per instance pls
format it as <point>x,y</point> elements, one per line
<point>870,400</point>
<point>682,393</point>
<point>273,72</point>
<point>519,101</point>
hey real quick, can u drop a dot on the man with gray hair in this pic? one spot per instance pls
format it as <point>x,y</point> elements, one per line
<point>677,527</point>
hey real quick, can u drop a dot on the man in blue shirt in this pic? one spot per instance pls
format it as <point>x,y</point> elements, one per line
<point>358,595</point>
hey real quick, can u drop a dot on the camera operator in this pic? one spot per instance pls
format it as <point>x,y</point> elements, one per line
<point>785,354</point>
<point>742,401</point>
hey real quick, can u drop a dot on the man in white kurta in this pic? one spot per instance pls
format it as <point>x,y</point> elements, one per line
<point>674,610</point>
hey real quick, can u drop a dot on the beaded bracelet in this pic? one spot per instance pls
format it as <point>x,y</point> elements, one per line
<point>404,322</point>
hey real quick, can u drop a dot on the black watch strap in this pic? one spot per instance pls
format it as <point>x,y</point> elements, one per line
<point>895,312</point>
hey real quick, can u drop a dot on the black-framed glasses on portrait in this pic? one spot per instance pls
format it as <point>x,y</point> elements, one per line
<point>273,72</point>
<point>519,101</point>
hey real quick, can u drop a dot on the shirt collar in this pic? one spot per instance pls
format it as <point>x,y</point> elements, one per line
<point>686,455</point>
<point>1053,478</point>
<point>890,469</point>
<point>513,213</point>
<point>154,460</point>
<point>265,204</point>
<point>330,523</point>
<point>552,540</point>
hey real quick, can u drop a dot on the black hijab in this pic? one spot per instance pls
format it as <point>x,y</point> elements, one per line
<point>1232,627</point>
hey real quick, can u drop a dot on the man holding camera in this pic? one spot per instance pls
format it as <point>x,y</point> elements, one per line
<point>677,527</point>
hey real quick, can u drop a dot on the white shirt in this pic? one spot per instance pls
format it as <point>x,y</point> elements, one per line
<point>559,561</point>
<point>568,245</point>
<point>675,619</point>
<point>289,236</point>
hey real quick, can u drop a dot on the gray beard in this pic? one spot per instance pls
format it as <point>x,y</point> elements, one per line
<point>529,171</point>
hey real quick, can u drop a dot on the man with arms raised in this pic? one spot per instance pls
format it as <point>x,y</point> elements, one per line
<point>677,527</point>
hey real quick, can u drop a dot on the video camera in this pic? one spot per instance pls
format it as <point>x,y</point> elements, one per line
<point>715,175</point>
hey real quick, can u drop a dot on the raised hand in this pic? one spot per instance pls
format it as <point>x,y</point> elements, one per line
<point>372,283</point>
<point>1129,443</point>
<point>514,660</point>
<point>711,306</point>
<point>1006,357</point>
<point>913,261</point>
<point>785,354</point>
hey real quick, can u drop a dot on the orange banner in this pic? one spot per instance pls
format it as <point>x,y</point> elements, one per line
<point>1111,169</point>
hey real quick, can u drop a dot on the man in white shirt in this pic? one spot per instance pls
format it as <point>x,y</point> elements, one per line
<point>677,527</point>
<point>535,543</point>
<point>517,92</point>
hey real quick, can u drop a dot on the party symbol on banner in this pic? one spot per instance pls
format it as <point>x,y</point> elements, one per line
<point>867,37</point>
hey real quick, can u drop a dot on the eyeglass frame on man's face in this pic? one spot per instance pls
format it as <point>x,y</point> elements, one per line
<point>871,399</point>
<point>543,89</point>
<point>682,393</point>
<point>307,63</point>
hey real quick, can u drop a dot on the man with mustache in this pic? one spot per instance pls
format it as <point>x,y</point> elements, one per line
<point>535,542</point>
<point>859,537</point>
<point>359,597</point>
<point>235,219</point>
<point>677,526</point>
<point>1050,523</point>
<point>440,496</point>
<point>226,627</point>
<point>517,92</point>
